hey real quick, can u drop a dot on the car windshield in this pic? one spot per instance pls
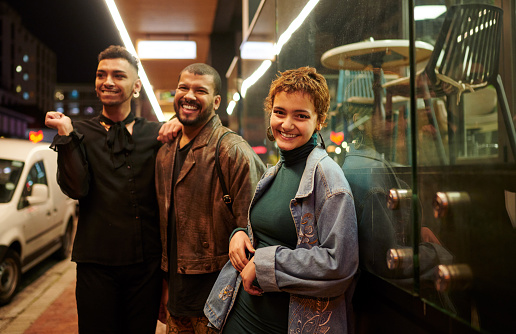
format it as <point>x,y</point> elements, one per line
<point>10,171</point>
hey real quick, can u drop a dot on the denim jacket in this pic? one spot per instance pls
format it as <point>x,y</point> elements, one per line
<point>319,273</point>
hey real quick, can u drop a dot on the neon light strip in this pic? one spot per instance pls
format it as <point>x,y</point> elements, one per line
<point>255,76</point>
<point>231,107</point>
<point>129,46</point>
<point>298,21</point>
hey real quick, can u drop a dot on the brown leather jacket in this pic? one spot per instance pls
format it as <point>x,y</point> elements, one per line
<point>203,221</point>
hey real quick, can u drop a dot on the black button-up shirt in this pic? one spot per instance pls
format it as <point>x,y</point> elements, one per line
<point>118,212</point>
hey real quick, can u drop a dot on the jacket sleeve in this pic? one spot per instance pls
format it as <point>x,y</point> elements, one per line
<point>324,270</point>
<point>72,174</point>
<point>245,170</point>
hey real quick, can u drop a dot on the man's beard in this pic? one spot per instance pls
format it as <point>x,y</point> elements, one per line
<point>201,118</point>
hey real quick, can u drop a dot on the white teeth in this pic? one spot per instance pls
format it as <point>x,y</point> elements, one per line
<point>186,106</point>
<point>288,135</point>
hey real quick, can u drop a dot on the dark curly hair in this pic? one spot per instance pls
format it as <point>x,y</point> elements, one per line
<point>306,80</point>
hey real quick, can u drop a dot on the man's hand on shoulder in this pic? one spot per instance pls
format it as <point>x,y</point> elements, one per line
<point>60,122</point>
<point>169,130</point>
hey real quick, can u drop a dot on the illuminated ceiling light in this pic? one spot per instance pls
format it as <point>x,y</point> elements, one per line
<point>251,80</point>
<point>18,68</point>
<point>298,21</point>
<point>257,50</point>
<point>255,76</point>
<point>428,12</point>
<point>167,49</point>
<point>236,96</point>
<point>129,46</point>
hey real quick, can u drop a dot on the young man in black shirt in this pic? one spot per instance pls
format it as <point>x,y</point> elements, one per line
<point>107,163</point>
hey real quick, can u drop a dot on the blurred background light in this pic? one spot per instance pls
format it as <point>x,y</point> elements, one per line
<point>257,50</point>
<point>428,12</point>
<point>166,49</point>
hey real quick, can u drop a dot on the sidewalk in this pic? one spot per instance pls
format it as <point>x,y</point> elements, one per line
<point>47,306</point>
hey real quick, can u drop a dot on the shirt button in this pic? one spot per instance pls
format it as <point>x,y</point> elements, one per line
<point>205,244</point>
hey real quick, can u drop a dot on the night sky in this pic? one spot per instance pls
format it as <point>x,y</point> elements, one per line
<point>76,30</point>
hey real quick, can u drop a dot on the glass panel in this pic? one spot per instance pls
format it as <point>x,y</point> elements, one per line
<point>257,75</point>
<point>466,175</point>
<point>368,140</point>
<point>457,231</point>
<point>344,41</point>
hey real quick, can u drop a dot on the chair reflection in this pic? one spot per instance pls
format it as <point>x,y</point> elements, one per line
<point>370,168</point>
<point>465,58</point>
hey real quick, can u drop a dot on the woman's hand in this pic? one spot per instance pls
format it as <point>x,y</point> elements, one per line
<point>237,250</point>
<point>248,277</point>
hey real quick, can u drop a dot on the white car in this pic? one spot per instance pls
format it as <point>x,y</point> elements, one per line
<point>36,218</point>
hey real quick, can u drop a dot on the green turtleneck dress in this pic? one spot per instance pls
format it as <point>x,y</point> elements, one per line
<point>272,225</point>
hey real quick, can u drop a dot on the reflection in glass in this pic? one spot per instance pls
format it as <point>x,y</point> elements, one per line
<point>402,163</point>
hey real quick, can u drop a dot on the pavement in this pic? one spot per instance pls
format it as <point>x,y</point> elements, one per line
<point>46,306</point>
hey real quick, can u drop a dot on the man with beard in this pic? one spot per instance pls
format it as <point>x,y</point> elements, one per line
<point>195,222</point>
<point>107,163</point>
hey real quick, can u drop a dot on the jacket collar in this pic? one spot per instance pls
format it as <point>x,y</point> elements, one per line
<point>306,186</point>
<point>203,137</point>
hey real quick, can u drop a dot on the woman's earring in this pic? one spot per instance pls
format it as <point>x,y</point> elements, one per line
<point>270,136</point>
<point>136,95</point>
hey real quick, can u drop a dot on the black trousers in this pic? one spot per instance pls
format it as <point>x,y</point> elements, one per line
<point>118,299</point>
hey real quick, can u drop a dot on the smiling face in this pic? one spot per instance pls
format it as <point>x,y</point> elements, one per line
<point>116,82</point>
<point>195,100</point>
<point>293,119</point>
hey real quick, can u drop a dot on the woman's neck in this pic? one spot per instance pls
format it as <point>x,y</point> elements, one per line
<point>299,154</point>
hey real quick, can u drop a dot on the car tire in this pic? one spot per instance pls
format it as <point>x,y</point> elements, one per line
<point>66,242</point>
<point>10,276</point>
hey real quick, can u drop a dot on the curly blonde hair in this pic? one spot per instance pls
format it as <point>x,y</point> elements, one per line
<point>306,80</point>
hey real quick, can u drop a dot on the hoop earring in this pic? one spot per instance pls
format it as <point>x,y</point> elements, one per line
<point>136,95</point>
<point>270,136</point>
